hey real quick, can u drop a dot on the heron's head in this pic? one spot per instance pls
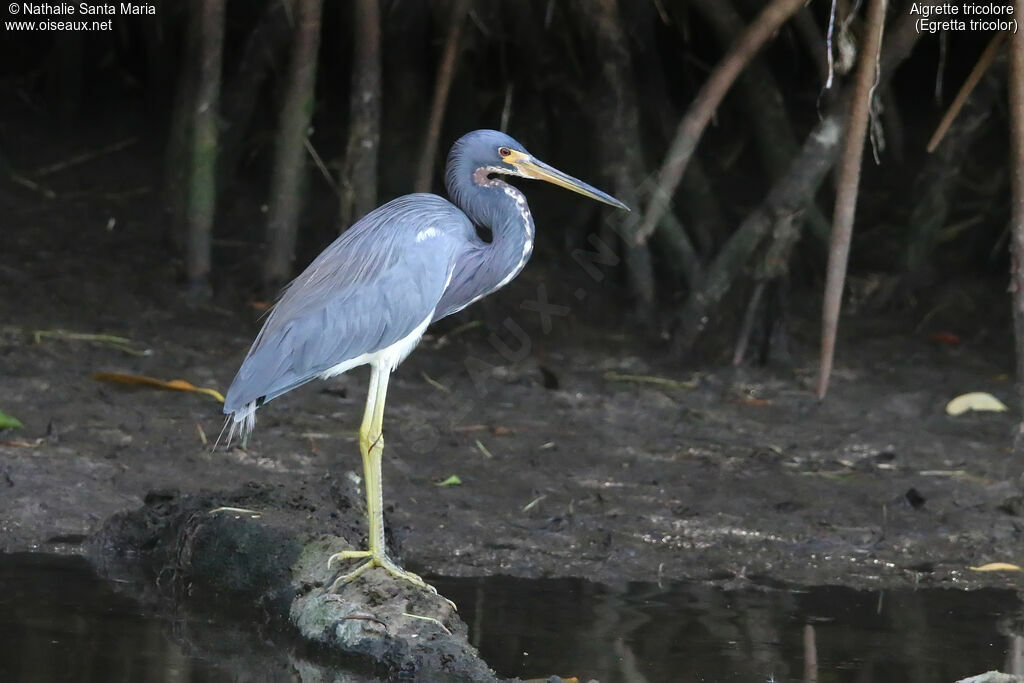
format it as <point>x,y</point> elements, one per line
<point>481,154</point>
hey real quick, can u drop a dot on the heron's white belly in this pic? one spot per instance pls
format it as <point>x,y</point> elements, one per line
<point>387,358</point>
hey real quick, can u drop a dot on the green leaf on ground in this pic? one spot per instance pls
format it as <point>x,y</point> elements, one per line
<point>8,422</point>
<point>450,481</point>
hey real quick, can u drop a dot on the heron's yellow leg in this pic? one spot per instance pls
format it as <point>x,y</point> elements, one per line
<point>371,445</point>
<point>364,449</point>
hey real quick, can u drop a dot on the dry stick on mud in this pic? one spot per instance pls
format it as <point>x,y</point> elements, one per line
<point>982,65</point>
<point>846,187</point>
<point>202,192</point>
<point>359,173</point>
<point>1017,210</point>
<point>704,105</point>
<point>445,73</point>
<point>791,192</point>
<point>287,182</point>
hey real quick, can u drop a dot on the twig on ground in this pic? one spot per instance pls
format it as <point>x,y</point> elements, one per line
<point>682,385</point>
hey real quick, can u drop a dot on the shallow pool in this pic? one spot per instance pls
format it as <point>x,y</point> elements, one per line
<point>59,622</point>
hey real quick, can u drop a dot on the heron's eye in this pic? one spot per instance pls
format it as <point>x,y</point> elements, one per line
<point>504,151</point>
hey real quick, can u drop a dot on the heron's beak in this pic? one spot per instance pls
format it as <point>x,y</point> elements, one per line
<point>529,167</point>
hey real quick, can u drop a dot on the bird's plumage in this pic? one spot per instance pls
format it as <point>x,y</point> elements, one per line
<point>370,288</point>
<point>367,298</point>
<point>409,262</point>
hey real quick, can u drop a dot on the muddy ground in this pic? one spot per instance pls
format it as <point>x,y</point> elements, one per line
<point>745,474</point>
<point>583,449</point>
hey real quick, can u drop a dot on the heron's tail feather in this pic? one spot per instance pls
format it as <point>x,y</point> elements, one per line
<point>242,422</point>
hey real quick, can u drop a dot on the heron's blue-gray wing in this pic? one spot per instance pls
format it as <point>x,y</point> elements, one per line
<point>372,287</point>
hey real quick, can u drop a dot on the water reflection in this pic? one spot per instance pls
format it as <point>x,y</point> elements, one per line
<point>639,632</point>
<point>58,622</point>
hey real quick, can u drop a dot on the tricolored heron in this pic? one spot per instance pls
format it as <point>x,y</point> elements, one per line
<point>367,299</point>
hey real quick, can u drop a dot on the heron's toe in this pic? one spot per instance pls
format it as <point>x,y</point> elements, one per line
<point>347,555</point>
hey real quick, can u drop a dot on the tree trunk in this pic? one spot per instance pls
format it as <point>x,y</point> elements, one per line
<point>359,175</point>
<point>1017,210</point>
<point>445,74</point>
<point>202,195</point>
<point>786,197</point>
<point>179,136</point>
<point>618,120</point>
<point>264,50</point>
<point>287,186</point>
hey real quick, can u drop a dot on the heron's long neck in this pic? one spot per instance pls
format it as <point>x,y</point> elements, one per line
<point>512,229</point>
<point>487,267</point>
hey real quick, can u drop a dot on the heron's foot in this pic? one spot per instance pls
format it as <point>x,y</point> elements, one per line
<point>347,555</point>
<point>385,563</point>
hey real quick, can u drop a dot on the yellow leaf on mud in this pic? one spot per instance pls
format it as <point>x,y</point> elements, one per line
<point>142,380</point>
<point>996,567</point>
<point>450,481</point>
<point>976,400</point>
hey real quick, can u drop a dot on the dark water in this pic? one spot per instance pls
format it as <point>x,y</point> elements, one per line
<point>684,632</point>
<point>58,622</point>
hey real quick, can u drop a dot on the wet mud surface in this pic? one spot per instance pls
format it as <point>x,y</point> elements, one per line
<point>745,474</point>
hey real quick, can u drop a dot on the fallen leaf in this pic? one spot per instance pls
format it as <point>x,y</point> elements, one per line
<point>996,567</point>
<point>8,422</point>
<point>450,481</point>
<point>976,400</point>
<point>142,380</point>
<point>754,402</point>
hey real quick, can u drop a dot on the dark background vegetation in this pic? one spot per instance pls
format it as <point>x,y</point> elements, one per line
<point>596,87</point>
